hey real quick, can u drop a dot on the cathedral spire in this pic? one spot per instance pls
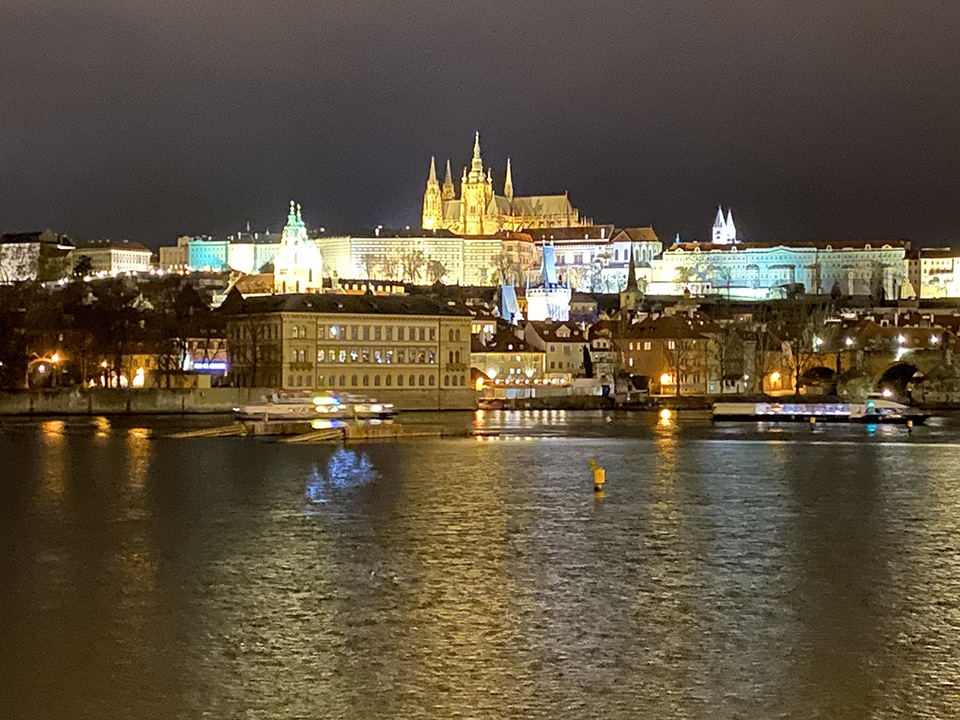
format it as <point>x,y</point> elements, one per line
<point>476,165</point>
<point>432,179</point>
<point>448,192</point>
<point>508,183</point>
<point>731,228</point>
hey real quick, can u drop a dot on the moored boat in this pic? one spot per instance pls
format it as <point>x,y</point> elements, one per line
<point>867,411</point>
<point>287,407</point>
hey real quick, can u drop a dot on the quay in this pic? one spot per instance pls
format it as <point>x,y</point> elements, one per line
<point>300,432</point>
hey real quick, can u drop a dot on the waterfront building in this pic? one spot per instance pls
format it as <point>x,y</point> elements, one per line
<point>666,350</point>
<point>563,344</point>
<point>412,351</point>
<point>114,256</point>
<point>507,357</point>
<point>480,211</point>
<point>42,255</point>
<point>298,266</point>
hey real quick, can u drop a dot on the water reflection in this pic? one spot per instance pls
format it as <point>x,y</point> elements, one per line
<point>345,469</point>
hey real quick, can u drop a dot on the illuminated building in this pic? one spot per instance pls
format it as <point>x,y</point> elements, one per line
<point>550,298</point>
<point>424,257</point>
<point>563,346</point>
<point>935,273</point>
<point>114,256</point>
<point>409,350</point>
<point>298,266</point>
<point>480,211</point>
<point>33,256</point>
<point>724,232</point>
<point>507,357</point>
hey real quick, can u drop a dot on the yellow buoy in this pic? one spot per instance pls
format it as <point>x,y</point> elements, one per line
<point>599,476</point>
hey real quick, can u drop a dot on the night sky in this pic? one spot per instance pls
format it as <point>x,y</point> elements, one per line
<point>813,119</point>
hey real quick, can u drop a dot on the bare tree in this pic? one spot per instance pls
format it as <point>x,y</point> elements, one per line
<point>435,271</point>
<point>505,268</point>
<point>412,263</point>
<point>368,265</point>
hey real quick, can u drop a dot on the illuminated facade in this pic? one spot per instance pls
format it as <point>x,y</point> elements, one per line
<point>480,211</point>
<point>409,350</point>
<point>424,257</point>
<point>114,256</point>
<point>298,266</point>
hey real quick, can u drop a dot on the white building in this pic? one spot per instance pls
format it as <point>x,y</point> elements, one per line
<point>759,271</point>
<point>298,266</point>
<point>724,232</point>
<point>935,273</point>
<point>426,256</point>
<point>114,256</point>
<point>596,259</point>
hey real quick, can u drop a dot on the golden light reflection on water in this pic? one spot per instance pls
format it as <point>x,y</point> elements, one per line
<point>101,427</point>
<point>54,465</point>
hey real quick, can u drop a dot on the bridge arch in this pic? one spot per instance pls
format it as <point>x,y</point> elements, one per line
<point>897,377</point>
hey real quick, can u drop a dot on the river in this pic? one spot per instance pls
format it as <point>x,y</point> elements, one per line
<point>740,571</point>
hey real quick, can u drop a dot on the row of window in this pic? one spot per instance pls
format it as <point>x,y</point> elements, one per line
<point>376,380</point>
<point>647,345</point>
<point>380,356</point>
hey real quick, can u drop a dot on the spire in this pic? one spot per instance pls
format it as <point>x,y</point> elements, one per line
<point>719,222</point>
<point>731,228</point>
<point>432,179</point>
<point>292,215</point>
<point>508,183</point>
<point>632,272</point>
<point>676,240</point>
<point>448,192</point>
<point>476,165</point>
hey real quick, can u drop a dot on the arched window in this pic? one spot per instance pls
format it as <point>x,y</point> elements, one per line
<point>309,380</point>
<point>450,358</point>
<point>343,381</point>
<point>413,380</point>
<point>451,336</point>
<point>387,380</point>
<point>399,380</point>
<point>291,381</point>
<point>457,356</point>
<point>446,379</point>
<point>353,380</point>
<point>463,380</point>
<point>293,356</point>
<point>431,381</point>
<point>366,380</point>
<point>320,379</point>
<point>421,381</point>
<point>458,335</point>
<point>299,380</point>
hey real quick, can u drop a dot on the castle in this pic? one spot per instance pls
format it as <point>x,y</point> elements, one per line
<point>480,211</point>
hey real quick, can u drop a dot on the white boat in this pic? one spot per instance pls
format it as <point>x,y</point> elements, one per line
<point>306,407</point>
<point>868,411</point>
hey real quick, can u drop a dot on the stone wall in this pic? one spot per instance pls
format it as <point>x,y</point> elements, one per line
<point>157,401</point>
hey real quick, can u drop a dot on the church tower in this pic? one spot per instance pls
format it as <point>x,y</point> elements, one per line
<point>474,195</point>
<point>432,200</point>
<point>298,265</point>
<point>719,228</point>
<point>628,296</point>
<point>508,183</point>
<point>447,192</point>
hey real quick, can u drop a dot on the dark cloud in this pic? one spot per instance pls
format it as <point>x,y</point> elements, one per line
<point>812,119</point>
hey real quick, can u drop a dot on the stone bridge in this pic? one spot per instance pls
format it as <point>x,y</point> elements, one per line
<point>883,369</point>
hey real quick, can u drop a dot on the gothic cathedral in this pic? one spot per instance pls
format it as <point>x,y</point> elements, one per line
<point>480,211</point>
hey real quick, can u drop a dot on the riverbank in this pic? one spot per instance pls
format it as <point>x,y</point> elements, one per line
<point>207,401</point>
